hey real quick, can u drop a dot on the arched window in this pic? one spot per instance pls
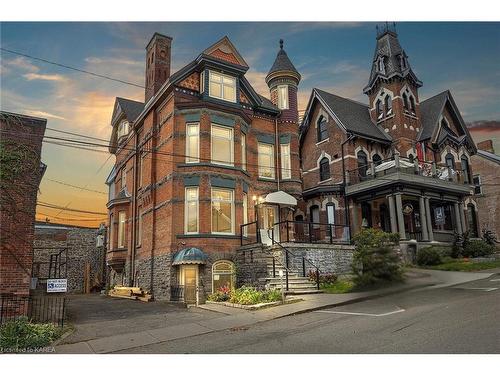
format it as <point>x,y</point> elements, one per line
<point>388,105</point>
<point>322,129</point>
<point>405,101</point>
<point>314,215</point>
<point>411,158</point>
<point>472,220</point>
<point>362,163</point>
<point>450,161</point>
<point>376,159</point>
<point>222,275</point>
<point>380,109</point>
<point>330,212</point>
<point>324,169</point>
<point>465,169</point>
<point>412,103</point>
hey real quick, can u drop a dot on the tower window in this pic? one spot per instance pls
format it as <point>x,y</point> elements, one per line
<point>388,105</point>
<point>381,65</point>
<point>324,169</point>
<point>380,109</point>
<point>405,101</point>
<point>283,97</point>
<point>412,104</point>
<point>450,161</point>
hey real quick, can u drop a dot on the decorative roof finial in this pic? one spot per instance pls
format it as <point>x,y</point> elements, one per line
<point>281,43</point>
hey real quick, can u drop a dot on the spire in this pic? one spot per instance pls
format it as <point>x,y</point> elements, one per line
<point>282,66</point>
<point>390,59</point>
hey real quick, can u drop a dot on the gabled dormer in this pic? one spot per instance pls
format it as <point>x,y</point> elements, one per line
<point>125,111</point>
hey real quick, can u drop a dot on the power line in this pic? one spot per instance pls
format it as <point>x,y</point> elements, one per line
<point>51,205</point>
<point>75,186</point>
<point>70,67</point>
<point>67,218</point>
<point>78,135</point>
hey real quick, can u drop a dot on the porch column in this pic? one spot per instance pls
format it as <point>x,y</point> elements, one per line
<point>429,220</point>
<point>399,212</point>
<point>462,216</point>
<point>458,219</point>
<point>392,214</point>
<point>423,219</point>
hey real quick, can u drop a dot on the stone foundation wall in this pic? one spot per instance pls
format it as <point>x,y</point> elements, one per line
<point>251,266</point>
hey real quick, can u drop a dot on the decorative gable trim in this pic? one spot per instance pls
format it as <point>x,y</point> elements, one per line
<point>223,49</point>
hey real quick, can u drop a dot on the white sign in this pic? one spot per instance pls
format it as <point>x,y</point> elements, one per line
<point>57,285</point>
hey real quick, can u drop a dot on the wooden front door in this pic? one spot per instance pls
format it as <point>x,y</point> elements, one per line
<point>190,281</point>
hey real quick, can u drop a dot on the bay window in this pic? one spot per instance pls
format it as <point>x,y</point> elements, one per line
<point>222,211</point>
<point>243,151</point>
<point>192,143</point>
<point>266,160</point>
<point>222,87</point>
<point>222,145</point>
<point>286,169</point>
<point>191,210</point>
<point>121,229</point>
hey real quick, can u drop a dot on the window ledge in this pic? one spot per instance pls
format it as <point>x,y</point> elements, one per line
<point>205,164</point>
<point>327,180</point>
<point>209,235</point>
<point>385,118</point>
<point>322,141</point>
<point>266,179</point>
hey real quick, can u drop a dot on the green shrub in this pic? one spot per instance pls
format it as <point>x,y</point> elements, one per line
<point>429,256</point>
<point>374,258</point>
<point>23,334</point>
<point>220,295</point>
<point>272,295</point>
<point>477,248</point>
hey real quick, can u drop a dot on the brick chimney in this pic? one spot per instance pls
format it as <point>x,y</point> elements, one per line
<point>157,63</point>
<point>486,146</point>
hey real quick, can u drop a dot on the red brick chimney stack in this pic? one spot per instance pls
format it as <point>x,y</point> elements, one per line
<point>486,145</point>
<point>158,57</point>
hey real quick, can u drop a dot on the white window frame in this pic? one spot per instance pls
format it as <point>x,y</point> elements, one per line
<point>186,209</point>
<point>286,161</point>
<point>123,129</point>
<point>283,98</point>
<point>330,208</point>
<point>202,82</point>
<point>220,81</point>
<point>192,158</point>
<point>231,142</point>
<point>272,167</point>
<point>122,219</point>
<point>243,151</point>
<point>232,211</point>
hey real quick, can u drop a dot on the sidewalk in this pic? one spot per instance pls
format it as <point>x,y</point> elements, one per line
<point>236,318</point>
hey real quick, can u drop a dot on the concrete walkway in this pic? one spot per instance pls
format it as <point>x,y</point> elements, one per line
<point>232,318</point>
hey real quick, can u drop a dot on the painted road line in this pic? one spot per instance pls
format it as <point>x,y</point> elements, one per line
<point>483,289</point>
<point>359,313</point>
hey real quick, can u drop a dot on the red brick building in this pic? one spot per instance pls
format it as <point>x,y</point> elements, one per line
<point>396,163</point>
<point>486,200</point>
<point>22,170</point>
<point>192,164</point>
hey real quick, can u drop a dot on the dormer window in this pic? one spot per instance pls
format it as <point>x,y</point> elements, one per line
<point>222,87</point>
<point>123,129</point>
<point>283,97</point>
<point>381,65</point>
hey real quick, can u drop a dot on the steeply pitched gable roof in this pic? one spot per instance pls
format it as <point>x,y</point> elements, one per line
<point>354,116</point>
<point>130,108</point>
<point>223,49</point>
<point>430,111</point>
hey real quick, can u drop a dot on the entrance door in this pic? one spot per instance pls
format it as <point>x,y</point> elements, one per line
<point>189,277</point>
<point>269,218</point>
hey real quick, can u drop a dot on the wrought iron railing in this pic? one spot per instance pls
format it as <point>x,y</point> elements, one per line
<point>39,309</point>
<point>177,293</point>
<point>249,233</point>
<point>310,232</point>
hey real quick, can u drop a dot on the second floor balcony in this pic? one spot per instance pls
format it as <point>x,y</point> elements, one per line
<point>400,170</point>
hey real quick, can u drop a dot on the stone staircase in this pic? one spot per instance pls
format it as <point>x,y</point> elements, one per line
<point>297,284</point>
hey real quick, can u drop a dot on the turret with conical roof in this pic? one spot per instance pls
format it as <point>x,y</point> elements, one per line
<point>283,80</point>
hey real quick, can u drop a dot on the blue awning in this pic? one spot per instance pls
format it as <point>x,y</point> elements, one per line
<point>191,255</point>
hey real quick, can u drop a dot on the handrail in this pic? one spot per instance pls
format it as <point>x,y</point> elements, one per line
<point>287,252</point>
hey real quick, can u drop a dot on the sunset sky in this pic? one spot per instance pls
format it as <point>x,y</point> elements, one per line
<point>335,57</point>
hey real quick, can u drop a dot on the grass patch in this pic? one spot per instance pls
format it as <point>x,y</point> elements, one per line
<point>338,287</point>
<point>22,334</point>
<point>465,265</point>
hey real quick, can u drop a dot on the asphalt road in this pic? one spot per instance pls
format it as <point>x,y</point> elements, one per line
<point>459,319</point>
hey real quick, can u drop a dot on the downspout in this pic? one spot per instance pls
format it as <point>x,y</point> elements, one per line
<point>278,169</point>
<point>153,215</point>
<point>134,214</point>
<point>346,202</point>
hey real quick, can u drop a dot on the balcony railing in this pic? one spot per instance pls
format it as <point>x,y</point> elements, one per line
<point>398,164</point>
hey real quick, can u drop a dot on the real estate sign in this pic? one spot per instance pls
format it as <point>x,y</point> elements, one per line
<point>57,285</point>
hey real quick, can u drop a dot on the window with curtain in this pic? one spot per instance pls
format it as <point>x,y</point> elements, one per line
<point>330,212</point>
<point>121,229</point>
<point>192,143</point>
<point>286,166</point>
<point>266,160</point>
<point>324,169</point>
<point>322,129</point>
<point>222,86</point>
<point>222,145</point>
<point>222,211</point>
<point>243,151</point>
<point>191,210</point>
<point>283,97</point>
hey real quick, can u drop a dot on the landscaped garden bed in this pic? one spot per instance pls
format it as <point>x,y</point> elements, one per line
<point>248,298</point>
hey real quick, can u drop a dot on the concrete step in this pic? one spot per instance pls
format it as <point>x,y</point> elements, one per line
<point>296,292</point>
